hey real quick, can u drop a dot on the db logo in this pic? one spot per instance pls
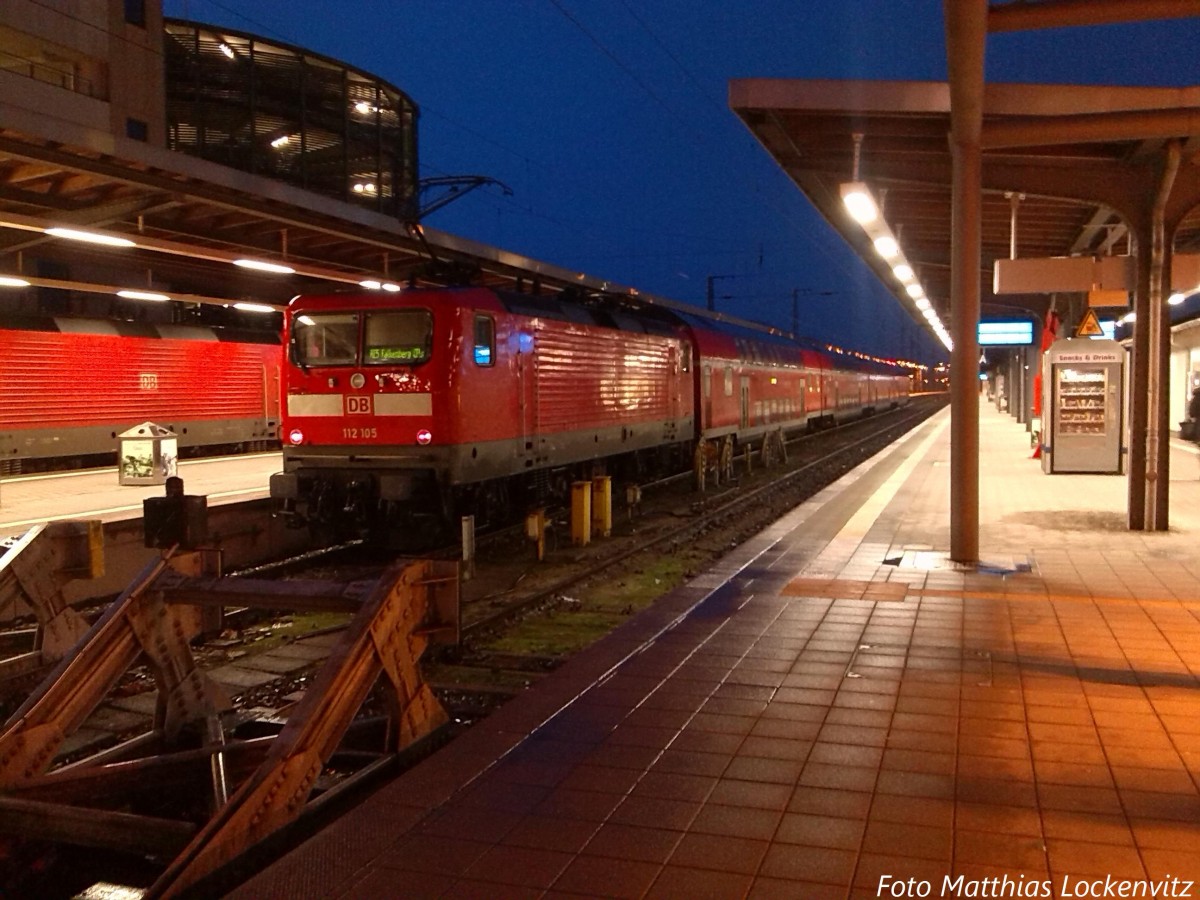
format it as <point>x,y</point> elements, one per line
<point>358,406</point>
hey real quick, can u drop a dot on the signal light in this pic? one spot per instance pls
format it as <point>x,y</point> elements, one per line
<point>424,436</point>
<point>296,436</point>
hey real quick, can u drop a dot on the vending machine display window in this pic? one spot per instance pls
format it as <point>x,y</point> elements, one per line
<point>1081,393</point>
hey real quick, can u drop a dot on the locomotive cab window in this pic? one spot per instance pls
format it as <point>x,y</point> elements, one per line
<point>485,341</point>
<point>402,337</point>
<point>325,339</point>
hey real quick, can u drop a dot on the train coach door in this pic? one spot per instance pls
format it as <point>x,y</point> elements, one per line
<point>674,389</point>
<point>745,417</point>
<point>526,395</point>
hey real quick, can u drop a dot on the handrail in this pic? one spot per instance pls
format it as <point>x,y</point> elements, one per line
<point>64,78</point>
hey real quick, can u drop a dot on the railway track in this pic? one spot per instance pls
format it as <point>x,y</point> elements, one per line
<point>519,619</point>
<point>510,584</point>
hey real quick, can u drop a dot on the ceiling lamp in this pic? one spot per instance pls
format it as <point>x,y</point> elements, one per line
<point>859,202</point>
<point>254,307</point>
<point>260,266</point>
<point>887,247</point>
<point>152,296</point>
<point>9,281</point>
<point>90,237</point>
<point>861,205</point>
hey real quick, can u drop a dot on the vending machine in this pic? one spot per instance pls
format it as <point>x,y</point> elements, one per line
<point>1084,385</point>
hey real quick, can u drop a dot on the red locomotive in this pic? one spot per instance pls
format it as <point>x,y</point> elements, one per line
<point>432,403</point>
<point>71,385</point>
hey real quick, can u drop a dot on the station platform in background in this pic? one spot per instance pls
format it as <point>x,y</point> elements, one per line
<point>26,500</point>
<point>834,703</point>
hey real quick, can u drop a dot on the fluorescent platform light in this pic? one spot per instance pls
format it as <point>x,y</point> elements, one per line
<point>9,281</point>
<point>254,307</point>
<point>260,266</point>
<point>90,237</point>
<point>859,202</point>
<point>152,296</point>
<point>886,246</point>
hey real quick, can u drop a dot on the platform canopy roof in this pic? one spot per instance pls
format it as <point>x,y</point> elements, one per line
<point>1069,163</point>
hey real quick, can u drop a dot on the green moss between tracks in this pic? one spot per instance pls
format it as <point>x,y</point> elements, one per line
<point>590,611</point>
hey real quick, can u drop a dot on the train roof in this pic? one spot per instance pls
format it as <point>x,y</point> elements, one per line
<point>624,312</point>
<point>118,328</point>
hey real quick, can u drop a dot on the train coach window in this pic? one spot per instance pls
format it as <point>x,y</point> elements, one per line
<point>325,340</point>
<point>403,336</point>
<point>485,341</point>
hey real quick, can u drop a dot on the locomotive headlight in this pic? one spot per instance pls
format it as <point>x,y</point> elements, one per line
<point>424,436</point>
<point>296,436</point>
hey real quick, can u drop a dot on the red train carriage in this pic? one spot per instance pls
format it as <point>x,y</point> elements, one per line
<point>433,402</point>
<point>440,402</point>
<point>756,382</point>
<point>69,386</point>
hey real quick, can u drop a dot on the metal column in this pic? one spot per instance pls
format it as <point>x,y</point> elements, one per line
<point>966,37</point>
<point>1149,446</point>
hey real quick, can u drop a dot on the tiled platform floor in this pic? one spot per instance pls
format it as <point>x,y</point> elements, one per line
<point>835,704</point>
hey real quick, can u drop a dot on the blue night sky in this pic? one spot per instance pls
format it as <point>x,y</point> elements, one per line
<point>608,120</point>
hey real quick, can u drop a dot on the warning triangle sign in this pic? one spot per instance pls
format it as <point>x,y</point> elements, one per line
<point>1090,326</point>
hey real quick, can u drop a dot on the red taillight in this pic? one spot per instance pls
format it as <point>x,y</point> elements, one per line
<point>296,436</point>
<point>424,436</point>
